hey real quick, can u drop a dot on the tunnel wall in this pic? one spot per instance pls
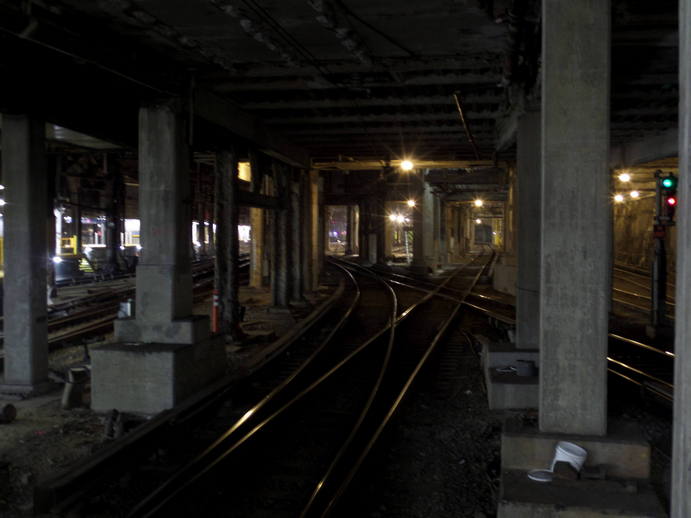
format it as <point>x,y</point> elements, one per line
<point>633,235</point>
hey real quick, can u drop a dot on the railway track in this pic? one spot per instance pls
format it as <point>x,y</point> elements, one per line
<point>77,319</point>
<point>298,431</point>
<point>337,416</point>
<point>630,295</point>
<point>646,366</point>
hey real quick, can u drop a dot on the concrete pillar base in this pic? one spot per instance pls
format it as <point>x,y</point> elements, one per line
<point>523,498</point>
<point>22,391</point>
<point>158,376</point>
<point>624,451</point>
<point>508,390</point>
<point>625,491</point>
<point>181,331</point>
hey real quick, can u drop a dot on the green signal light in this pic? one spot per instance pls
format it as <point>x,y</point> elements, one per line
<point>669,182</point>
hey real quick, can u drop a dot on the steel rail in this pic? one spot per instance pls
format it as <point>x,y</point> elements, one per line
<point>613,361</point>
<point>145,508</point>
<point>497,316</point>
<point>208,459</point>
<point>62,492</point>
<point>640,372</point>
<point>645,275</point>
<point>668,302</point>
<point>354,468</point>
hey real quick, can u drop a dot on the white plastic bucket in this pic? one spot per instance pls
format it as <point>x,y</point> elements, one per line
<point>571,453</point>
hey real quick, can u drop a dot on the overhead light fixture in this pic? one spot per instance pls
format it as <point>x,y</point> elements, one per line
<point>478,202</point>
<point>392,217</point>
<point>618,198</point>
<point>411,203</point>
<point>478,221</point>
<point>2,202</point>
<point>407,165</point>
<point>634,194</point>
<point>624,177</point>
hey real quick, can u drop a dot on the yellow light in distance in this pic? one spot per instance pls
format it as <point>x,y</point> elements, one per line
<point>618,198</point>
<point>407,165</point>
<point>411,203</point>
<point>478,202</point>
<point>478,221</point>
<point>624,177</point>
<point>244,171</point>
<point>634,194</point>
<point>392,217</point>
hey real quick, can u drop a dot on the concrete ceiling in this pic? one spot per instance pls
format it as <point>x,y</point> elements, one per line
<point>355,79</point>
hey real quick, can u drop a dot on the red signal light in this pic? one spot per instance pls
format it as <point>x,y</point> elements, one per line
<point>671,201</point>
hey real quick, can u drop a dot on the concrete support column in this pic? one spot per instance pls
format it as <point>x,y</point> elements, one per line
<point>307,246</point>
<point>356,229</point>
<point>295,247</point>
<point>77,219</point>
<point>256,227</point>
<point>379,220</point>
<point>257,248</point>
<point>681,458</point>
<point>443,237</point>
<point>388,234</point>
<point>164,276</point>
<point>574,252</point>
<point>437,240</point>
<point>200,237</point>
<point>114,220</point>
<point>280,284</point>
<point>364,229</point>
<point>227,245</point>
<point>418,226</point>
<point>316,250</point>
<point>429,213</point>
<point>25,179</point>
<point>269,223</point>
<point>350,229</point>
<point>529,204</point>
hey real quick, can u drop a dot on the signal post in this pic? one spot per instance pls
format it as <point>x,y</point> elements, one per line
<point>665,203</point>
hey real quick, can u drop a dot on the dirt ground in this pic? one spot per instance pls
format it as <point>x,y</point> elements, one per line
<point>443,454</point>
<point>45,440</point>
<point>41,442</point>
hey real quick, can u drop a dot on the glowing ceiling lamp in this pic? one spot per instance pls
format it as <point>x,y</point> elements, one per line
<point>407,165</point>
